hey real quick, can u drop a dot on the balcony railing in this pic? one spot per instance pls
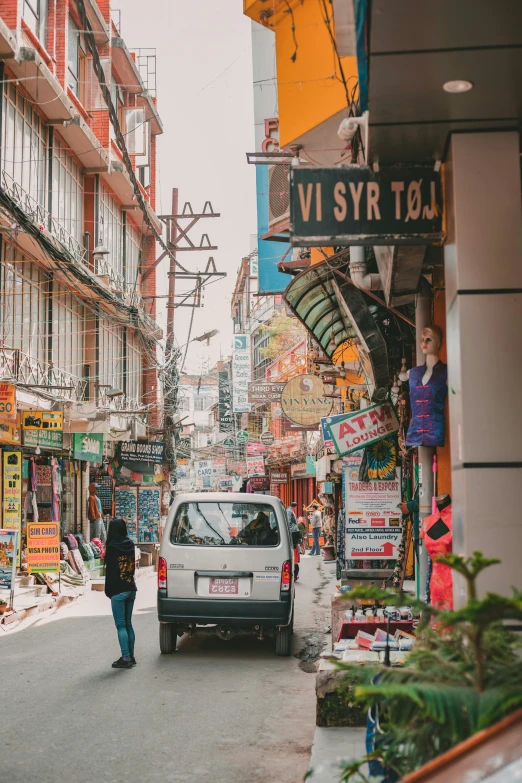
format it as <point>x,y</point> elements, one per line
<point>18,367</point>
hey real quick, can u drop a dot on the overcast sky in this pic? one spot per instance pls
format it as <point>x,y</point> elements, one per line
<point>205,101</point>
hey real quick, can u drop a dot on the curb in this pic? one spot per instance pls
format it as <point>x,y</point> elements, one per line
<point>45,605</point>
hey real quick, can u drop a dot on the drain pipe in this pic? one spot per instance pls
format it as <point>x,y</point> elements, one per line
<point>359,274</point>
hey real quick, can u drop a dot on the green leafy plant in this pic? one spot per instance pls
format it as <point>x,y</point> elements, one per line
<point>462,676</point>
<point>284,332</point>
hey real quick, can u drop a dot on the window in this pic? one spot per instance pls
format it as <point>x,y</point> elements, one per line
<point>183,405</point>
<point>110,229</point>
<point>134,367</point>
<point>67,194</point>
<point>111,352</point>
<point>203,402</point>
<point>23,305</point>
<point>225,524</point>
<point>73,57</point>
<point>35,16</point>
<point>24,146</point>
<point>132,255</point>
<point>68,332</point>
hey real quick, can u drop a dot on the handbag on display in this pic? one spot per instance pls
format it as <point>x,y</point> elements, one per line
<point>79,538</point>
<point>70,541</point>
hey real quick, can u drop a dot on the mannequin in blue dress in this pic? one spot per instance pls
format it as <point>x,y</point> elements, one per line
<point>428,392</point>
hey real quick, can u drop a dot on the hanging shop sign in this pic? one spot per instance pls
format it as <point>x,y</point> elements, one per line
<point>8,547</point>
<point>260,484</point>
<point>278,477</point>
<point>303,400</point>
<point>224,402</point>
<point>44,439</point>
<point>356,205</point>
<point>299,470</point>
<point>371,504</point>
<point>42,420</point>
<point>88,447</point>
<point>229,443</point>
<point>8,402</point>
<point>241,369</point>
<point>236,468</point>
<point>219,467</point>
<point>226,482</point>
<point>255,466</point>
<point>264,392</point>
<point>267,438</point>
<point>255,448</point>
<point>9,431</point>
<point>152,453</point>
<point>12,494</point>
<point>242,437</point>
<point>202,469</point>
<point>43,547</point>
<point>361,428</point>
<point>364,544</point>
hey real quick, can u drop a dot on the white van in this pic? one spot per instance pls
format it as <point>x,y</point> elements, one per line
<point>226,560</point>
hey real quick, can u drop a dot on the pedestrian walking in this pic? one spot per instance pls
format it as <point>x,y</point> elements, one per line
<point>317,523</point>
<point>120,587</point>
<point>296,536</point>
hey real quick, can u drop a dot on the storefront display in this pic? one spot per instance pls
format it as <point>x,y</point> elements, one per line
<point>437,533</point>
<point>148,513</point>
<point>428,392</point>
<point>126,507</point>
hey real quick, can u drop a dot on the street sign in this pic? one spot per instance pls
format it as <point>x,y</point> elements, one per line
<point>267,438</point>
<point>242,437</point>
<point>229,443</point>
<point>278,477</point>
<point>264,392</point>
<point>255,466</point>
<point>356,205</point>
<point>357,429</point>
<point>367,544</point>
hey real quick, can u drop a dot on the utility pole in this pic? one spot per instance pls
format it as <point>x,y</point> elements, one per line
<point>172,236</point>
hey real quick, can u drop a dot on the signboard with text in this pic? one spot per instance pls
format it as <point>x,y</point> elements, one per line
<point>241,368</point>
<point>43,547</point>
<point>12,494</point>
<point>364,544</point>
<point>357,429</point>
<point>8,402</point>
<point>278,477</point>
<point>356,205</point>
<point>42,420</point>
<point>45,439</point>
<point>203,470</point>
<point>224,402</point>
<point>236,467</point>
<point>371,504</point>
<point>88,447</point>
<point>141,451</point>
<point>255,466</point>
<point>264,392</point>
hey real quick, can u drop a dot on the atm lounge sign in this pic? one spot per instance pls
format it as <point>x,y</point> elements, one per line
<point>362,428</point>
<point>356,205</point>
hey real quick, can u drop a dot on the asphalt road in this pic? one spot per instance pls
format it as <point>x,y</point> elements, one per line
<point>225,712</point>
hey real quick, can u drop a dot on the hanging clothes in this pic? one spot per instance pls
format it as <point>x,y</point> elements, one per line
<point>427,406</point>
<point>437,532</point>
<point>56,486</point>
<point>341,542</point>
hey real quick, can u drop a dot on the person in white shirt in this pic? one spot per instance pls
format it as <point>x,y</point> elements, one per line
<point>317,524</point>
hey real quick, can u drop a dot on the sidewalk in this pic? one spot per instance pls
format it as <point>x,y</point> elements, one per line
<point>332,749</point>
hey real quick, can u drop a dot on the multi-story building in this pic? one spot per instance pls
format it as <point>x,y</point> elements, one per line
<point>77,230</point>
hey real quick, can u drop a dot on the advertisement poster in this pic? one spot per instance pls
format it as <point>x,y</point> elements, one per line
<point>126,506</point>
<point>43,547</point>
<point>241,369</point>
<point>203,470</point>
<point>255,466</point>
<point>42,420</point>
<point>361,428</point>
<point>226,421</point>
<point>255,448</point>
<point>148,513</point>
<point>371,504</point>
<point>8,402</point>
<point>12,497</point>
<point>236,468</point>
<point>7,559</point>
<point>219,467</point>
<point>367,544</point>
<point>45,439</point>
<point>88,447</point>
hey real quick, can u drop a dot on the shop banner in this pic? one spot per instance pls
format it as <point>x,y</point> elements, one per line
<point>236,467</point>
<point>264,392</point>
<point>10,431</point>
<point>226,482</point>
<point>255,466</point>
<point>394,205</point>
<point>43,547</point>
<point>88,447</point>
<point>278,477</point>
<point>138,451</point>
<point>42,420</point>
<point>8,547</point>
<point>241,369</point>
<point>203,470</point>
<point>260,484</point>
<point>226,419</point>
<point>12,496</point>
<point>45,439</point>
<point>365,544</point>
<point>219,467</point>
<point>255,448</point>
<point>303,400</point>
<point>371,504</point>
<point>356,429</point>
<point>8,403</point>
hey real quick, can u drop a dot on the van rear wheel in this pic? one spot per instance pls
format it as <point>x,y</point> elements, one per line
<point>284,640</point>
<point>168,637</point>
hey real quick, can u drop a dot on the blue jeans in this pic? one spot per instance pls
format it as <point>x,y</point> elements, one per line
<point>122,606</point>
<point>316,549</point>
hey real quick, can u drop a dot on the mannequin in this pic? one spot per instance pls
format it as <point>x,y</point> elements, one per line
<point>437,532</point>
<point>95,514</point>
<point>428,392</point>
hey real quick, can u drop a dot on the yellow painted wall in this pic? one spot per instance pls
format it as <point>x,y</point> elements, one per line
<point>310,89</point>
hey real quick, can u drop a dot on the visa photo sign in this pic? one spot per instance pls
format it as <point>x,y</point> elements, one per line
<point>357,429</point>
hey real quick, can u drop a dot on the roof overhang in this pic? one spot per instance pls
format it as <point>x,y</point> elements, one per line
<point>98,24</point>
<point>119,182</point>
<point>413,49</point>
<point>42,86</point>
<point>7,41</point>
<point>82,141</point>
<point>126,68</point>
<point>151,113</point>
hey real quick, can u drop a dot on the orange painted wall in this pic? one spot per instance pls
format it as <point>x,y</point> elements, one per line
<point>443,453</point>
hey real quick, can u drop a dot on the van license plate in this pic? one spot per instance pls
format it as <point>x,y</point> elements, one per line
<point>222,586</point>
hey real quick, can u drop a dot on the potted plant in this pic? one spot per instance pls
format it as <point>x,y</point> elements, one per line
<point>3,606</point>
<point>329,548</point>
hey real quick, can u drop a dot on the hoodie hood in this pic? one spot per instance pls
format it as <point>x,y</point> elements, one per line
<point>126,546</point>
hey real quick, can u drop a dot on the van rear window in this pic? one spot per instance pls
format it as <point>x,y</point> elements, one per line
<point>225,524</point>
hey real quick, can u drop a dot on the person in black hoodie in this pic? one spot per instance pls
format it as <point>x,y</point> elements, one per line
<point>120,587</point>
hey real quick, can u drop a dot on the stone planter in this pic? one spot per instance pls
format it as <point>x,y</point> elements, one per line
<point>329,552</point>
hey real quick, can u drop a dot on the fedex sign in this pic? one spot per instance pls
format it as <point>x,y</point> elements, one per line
<point>361,428</point>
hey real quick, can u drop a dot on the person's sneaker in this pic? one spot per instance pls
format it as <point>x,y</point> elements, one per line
<point>122,664</point>
<point>133,660</point>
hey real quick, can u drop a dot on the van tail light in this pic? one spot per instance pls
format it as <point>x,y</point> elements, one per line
<point>286,576</point>
<point>162,573</point>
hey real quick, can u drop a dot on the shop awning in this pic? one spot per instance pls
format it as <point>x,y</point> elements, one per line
<point>329,305</point>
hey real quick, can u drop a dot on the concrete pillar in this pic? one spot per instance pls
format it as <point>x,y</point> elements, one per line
<point>483,262</point>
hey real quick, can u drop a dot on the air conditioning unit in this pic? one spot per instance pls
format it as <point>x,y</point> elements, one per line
<point>278,197</point>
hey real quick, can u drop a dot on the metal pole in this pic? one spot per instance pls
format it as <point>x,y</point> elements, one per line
<point>423,319</point>
<point>172,239</point>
